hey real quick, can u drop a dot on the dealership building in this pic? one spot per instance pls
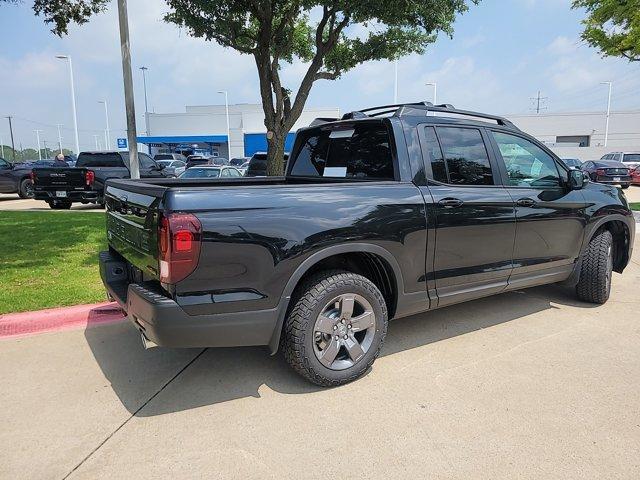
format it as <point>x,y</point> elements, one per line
<point>203,128</point>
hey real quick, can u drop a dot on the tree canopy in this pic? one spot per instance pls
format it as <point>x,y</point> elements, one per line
<point>330,36</point>
<point>612,26</point>
<point>60,13</point>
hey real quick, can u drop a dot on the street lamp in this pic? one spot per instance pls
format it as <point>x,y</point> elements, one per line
<point>606,130</point>
<point>435,91</point>
<point>38,139</point>
<point>226,106</point>
<point>59,137</point>
<point>73,99</point>
<point>395,83</point>
<point>107,135</point>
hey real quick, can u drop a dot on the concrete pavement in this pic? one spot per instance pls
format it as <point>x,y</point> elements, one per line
<point>524,385</point>
<point>14,202</point>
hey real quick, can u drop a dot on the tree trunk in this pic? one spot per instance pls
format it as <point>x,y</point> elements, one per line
<point>275,154</point>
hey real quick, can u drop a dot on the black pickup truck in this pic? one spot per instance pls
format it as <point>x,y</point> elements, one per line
<point>85,182</point>
<point>382,214</point>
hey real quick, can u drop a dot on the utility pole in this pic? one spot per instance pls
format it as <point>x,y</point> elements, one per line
<point>59,137</point>
<point>13,147</point>
<point>125,51</point>
<point>606,129</point>
<point>539,99</point>
<point>1,148</point>
<point>38,138</point>
<point>107,135</point>
<point>146,105</point>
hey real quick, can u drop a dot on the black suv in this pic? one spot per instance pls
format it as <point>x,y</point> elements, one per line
<point>385,213</point>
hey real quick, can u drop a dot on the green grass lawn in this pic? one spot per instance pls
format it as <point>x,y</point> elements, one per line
<point>635,206</point>
<point>49,259</point>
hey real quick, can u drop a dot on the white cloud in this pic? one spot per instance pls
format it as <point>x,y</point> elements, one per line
<point>562,46</point>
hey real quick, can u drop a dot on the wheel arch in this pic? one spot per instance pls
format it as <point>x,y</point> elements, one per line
<point>384,269</point>
<point>621,231</point>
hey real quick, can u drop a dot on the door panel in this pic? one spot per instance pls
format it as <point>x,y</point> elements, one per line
<point>474,218</point>
<point>550,218</point>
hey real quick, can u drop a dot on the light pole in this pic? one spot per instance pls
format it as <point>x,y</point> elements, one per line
<point>395,82</point>
<point>146,104</point>
<point>1,148</point>
<point>59,137</point>
<point>606,129</point>
<point>107,135</point>
<point>435,91</point>
<point>226,106</point>
<point>125,52</point>
<point>38,139</point>
<point>73,99</point>
<point>95,137</point>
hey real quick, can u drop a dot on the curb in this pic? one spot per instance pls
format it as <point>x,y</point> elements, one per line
<point>24,324</point>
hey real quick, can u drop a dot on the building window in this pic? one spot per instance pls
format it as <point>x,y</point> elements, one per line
<point>575,140</point>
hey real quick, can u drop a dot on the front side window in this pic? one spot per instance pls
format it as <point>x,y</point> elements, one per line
<point>527,164</point>
<point>145,161</point>
<point>466,156</point>
<point>360,151</point>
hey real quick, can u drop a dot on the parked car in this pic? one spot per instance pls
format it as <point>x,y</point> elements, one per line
<point>15,178</point>
<point>258,165</point>
<point>217,161</point>
<point>635,175</point>
<point>84,183</point>
<point>172,168</point>
<point>572,162</point>
<point>608,171</point>
<point>628,158</point>
<point>238,161</point>
<point>377,217</point>
<point>193,160</point>
<point>243,168</point>
<point>170,156</point>
<point>211,172</point>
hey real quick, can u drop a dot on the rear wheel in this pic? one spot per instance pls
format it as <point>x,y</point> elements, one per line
<point>25,189</point>
<point>596,270</point>
<point>624,187</point>
<point>336,328</point>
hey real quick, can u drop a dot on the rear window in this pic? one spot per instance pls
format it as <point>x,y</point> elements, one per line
<point>99,160</point>
<point>162,156</point>
<point>201,173</point>
<point>360,151</point>
<point>631,157</point>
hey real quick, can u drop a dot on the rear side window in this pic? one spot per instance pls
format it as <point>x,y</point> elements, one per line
<point>434,155</point>
<point>361,151</point>
<point>631,157</point>
<point>466,157</point>
<point>99,160</point>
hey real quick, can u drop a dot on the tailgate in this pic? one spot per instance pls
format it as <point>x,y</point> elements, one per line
<point>56,178</point>
<point>132,226</point>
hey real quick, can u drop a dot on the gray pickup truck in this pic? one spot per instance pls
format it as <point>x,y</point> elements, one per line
<point>382,214</point>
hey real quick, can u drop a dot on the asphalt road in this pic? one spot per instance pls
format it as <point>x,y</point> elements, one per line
<point>525,385</point>
<point>13,202</point>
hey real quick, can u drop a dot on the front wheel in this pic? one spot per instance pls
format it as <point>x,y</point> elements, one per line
<point>336,328</point>
<point>596,270</point>
<point>25,190</point>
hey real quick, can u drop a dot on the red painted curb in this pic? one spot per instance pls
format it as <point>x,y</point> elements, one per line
<point>22,324</point>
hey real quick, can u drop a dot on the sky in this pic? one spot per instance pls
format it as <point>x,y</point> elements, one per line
<point>502,53</point>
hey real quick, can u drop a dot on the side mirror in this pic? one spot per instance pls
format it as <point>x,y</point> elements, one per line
<point>577,179</point>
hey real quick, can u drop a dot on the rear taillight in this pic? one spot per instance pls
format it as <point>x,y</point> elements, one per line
<point>179,238</point>
<point>89,177</point>
<point>601,171</point>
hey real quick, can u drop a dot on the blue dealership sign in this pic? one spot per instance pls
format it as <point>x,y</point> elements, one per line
<point>122,143</point>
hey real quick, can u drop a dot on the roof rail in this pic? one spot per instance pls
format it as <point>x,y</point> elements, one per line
<point>405,109</point>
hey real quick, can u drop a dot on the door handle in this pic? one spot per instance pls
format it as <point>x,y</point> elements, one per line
<point>450,202</point>
<point>525,202</point>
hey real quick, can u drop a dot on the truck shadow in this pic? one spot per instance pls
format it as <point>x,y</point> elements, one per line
<point>201,377</point>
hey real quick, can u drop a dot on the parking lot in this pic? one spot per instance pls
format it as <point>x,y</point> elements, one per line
<point>529,384</point>
<point>14,202</point>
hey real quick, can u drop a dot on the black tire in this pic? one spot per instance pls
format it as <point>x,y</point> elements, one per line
<point>624,187</point>
<point>60,205</point>
<point>25,189</point>
<point>300,338</point>
<point>594,285</point>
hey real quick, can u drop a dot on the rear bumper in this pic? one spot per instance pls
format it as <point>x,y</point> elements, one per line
<point>609,181</point>
<point>164,322</point>
<point>86,196</point>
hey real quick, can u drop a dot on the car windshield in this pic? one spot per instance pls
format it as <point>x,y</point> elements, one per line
<point>99,160</point>
<point>196,172</point>
<point>631,157</point>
